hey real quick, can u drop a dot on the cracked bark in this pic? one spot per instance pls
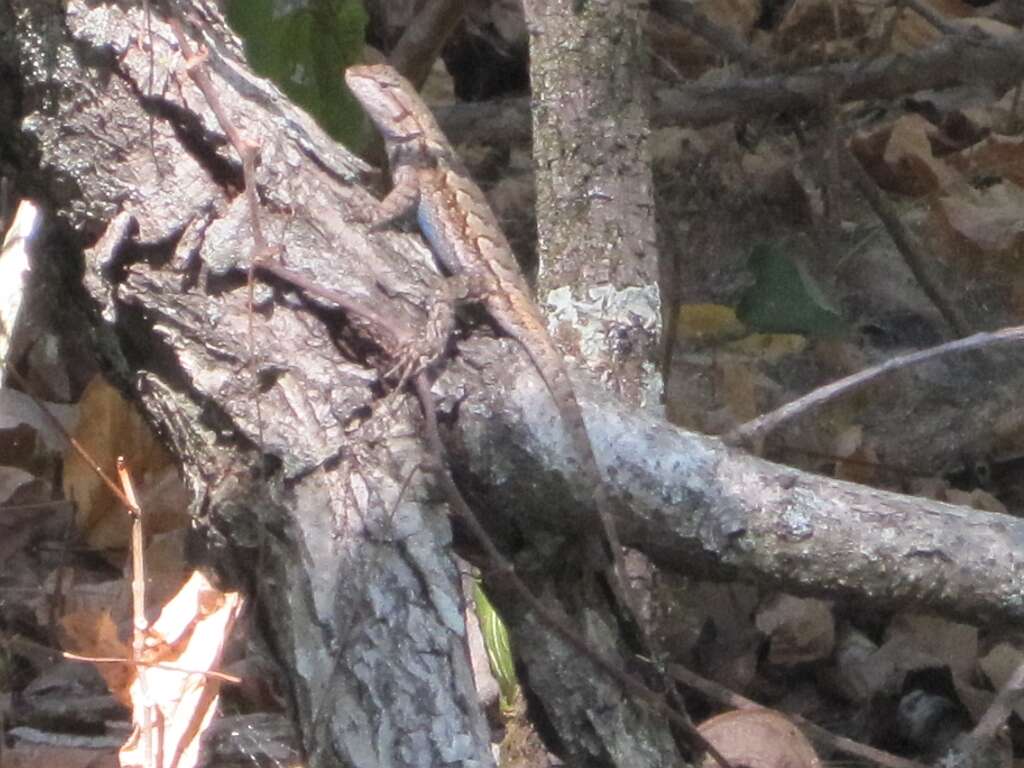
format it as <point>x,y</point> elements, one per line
<point>359,596</point>
<point>595,199</point>
<point>699,507</point>
<point>357,593</point>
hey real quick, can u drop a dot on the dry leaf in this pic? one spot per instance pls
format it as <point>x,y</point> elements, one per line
<point>110,427</point>
<point>863,670</point>
<point>171,708</point>
<point>976,499</point>
<point>770,347</point>
<point>94,634</point>
<point>727,642</point>
<point>707,322</point>
<point>80,595</point>
<point>799,630</point>
<point>948,643</point>
<point>1000,663</point>
<point>739,389</point>
<point>909,155</point>
<point>900,158</point>
<point>911,30</point>
<point>852,673</point>
<point>862,468</point>
<point>738,16</point>
<point>985,224</point>
<point>757,738</point>
<point>996,156</point>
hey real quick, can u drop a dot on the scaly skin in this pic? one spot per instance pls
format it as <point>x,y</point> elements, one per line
<point>464,235</point>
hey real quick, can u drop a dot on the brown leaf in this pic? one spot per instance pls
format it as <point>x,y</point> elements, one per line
<point>912,31</point>
<point>998,156</point>
<point>94,634</point>
<point>985,224</point>
<point>799,630</point>
<point>110,427</point>
<point>900,158</point>
<point>758,738</point>
<point>952,644</point>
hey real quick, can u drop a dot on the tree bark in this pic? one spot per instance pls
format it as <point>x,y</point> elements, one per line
<point>701,508</point>
<point>598,281</point>
<point>349,557</point>
<point>595,195</point>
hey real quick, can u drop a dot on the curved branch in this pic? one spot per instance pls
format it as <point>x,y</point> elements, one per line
<point>952,61</point>
<point>696,506</point>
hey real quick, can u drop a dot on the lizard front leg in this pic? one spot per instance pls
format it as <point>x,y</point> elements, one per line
<point>401,202</point>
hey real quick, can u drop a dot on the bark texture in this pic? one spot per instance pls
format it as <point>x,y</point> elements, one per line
<point>701,508</point>
<point>348,556</point>
<point>358,595</point>
<point>595,196</point>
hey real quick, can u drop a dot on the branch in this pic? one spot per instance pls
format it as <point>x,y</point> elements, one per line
<point>758,428</point>
<point>952,61</point>
<point>694,505</point>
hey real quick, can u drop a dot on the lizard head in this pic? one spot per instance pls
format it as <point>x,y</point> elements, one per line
<point>391,102</point>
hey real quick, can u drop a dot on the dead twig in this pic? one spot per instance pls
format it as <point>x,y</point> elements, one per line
<point>816,733</point>
<point>758,428</point>
<point>906,244</point>
<point>426,33</point>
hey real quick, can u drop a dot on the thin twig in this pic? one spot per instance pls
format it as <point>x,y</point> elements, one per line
<point>728,698</point>
<point>906,244</point>
<point>154,664</point>
<point>762,425</point>
<point>152,738</point>
<point>502,567</point>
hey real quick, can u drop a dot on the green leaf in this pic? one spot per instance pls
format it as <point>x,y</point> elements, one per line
<point>784,298</point>
<point>499,649</point>
<point>304,49</point>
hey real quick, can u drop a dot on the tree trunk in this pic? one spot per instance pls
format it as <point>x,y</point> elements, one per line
<point>304,477</point>
<point>349,559</point>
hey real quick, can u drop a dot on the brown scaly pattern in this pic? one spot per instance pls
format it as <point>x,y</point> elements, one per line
<point>464,235</point>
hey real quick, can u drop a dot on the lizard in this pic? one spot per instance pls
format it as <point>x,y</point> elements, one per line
<point>464,235</point>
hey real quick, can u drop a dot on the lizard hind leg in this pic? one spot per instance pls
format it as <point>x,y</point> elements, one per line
<point>429,344</point>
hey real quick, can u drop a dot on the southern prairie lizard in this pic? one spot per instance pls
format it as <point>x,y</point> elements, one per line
<point>465,237</point>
